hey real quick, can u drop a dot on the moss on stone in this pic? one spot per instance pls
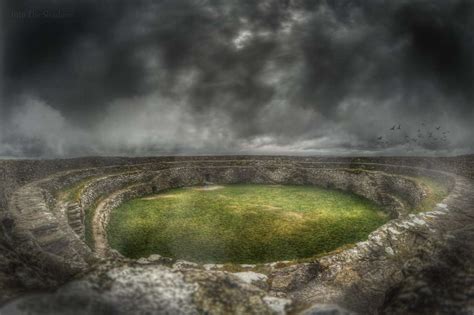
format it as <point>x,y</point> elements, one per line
<point>436,191</point>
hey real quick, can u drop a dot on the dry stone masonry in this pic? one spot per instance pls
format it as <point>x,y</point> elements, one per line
<point>55,243</point>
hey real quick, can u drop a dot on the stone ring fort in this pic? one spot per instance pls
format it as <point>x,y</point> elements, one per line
<point>43,240</point>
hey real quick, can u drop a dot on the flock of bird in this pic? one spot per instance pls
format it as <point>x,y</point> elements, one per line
<point>427,137</point>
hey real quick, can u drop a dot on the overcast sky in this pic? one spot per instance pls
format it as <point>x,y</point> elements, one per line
<point>88,77</point>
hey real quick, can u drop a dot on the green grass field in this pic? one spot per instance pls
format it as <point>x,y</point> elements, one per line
<point>242,223</point>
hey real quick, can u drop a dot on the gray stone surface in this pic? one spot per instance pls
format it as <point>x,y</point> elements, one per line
<point>326,309</point>
<point>255,278</point>
<point>147,290</point>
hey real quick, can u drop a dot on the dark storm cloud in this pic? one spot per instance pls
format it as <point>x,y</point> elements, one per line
<point>207,76</point>
<point>379,50</point>
<point>64,51</point>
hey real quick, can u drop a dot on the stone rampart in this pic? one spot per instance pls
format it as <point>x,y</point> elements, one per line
<point>39,235</point>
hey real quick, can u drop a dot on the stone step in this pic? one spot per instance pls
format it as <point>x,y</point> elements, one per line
<point>74,215</point>
<point>76,208</point>
<point>76,221</point>
<point>72,220</point>
<point>76,227</point>
<point>45,229</point>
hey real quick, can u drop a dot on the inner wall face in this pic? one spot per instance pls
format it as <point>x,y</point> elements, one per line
<point>243,223</point>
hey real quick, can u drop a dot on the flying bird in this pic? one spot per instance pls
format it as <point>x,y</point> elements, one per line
<point>437,128</point>
<point>380,138</point>
<point>393,128</point>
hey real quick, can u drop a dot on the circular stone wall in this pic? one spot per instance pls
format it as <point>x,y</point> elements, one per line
<point>395,194</point>
<point>58,224</point>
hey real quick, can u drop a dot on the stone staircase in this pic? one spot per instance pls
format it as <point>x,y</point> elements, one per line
<point>39,232</point>
<point>75,218</point>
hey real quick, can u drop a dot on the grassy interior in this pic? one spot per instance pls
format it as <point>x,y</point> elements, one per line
<point>295,223</point>
<point>242,223</point>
